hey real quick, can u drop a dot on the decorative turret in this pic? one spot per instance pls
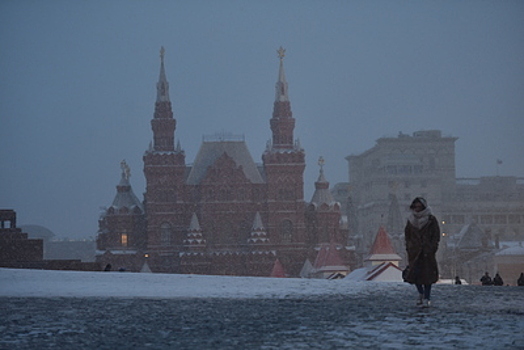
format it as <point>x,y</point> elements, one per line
<point>278,270</point>
<point>194,237</point>
<point>163,124</point>
<point>122,225</point>
<point>322,194</point>
<point>258,233</point>
<point>125,200</point>
<point>282,123</point>
<point>323,213</point>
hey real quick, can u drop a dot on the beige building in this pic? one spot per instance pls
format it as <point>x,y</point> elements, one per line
<point>384,180</point>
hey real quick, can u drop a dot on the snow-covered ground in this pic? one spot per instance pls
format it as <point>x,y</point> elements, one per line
<point>120,310</point>
<point>39,283</point>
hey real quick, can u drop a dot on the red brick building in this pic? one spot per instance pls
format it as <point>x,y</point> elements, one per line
<point>15,246</point>
<point>18,250</point>
<point>224,214</point>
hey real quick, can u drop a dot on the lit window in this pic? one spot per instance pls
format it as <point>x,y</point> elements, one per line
<point>123,239</point>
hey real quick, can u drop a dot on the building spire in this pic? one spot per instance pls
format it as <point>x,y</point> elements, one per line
<point>281,86</point>
<point>163,123</point>
<point>162,87</point>
<point>321,163</point>
<point>282,123</point>
<point>322,194</point>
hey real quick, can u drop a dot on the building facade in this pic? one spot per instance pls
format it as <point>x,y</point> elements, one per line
<point>384,180</point>
<point>224,214</point>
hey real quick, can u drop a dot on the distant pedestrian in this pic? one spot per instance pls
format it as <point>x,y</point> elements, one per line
<point>108,267</point>
<point>486,280</point>
<point>520,281</point>
<point>422,235</point>
<point>457,280</point>
<point>497,280</point>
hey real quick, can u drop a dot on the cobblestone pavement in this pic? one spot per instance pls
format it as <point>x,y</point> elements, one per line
<point>379,317</point>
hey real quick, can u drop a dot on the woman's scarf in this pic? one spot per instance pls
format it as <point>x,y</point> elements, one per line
<point>420,219</point>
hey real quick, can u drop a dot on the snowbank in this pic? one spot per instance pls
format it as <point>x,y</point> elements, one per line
<point>42,283</point>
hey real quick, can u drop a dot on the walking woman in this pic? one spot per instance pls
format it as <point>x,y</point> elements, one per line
<point>422,234</point>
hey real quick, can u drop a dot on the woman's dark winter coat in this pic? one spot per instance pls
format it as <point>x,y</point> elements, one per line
<point>421,246</point>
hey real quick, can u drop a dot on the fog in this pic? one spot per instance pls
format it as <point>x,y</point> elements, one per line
<point>78,86</point>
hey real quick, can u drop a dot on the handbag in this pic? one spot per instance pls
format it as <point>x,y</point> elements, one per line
<point>405,274</point>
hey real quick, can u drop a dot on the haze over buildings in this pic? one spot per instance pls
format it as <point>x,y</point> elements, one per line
<point>77,88</point>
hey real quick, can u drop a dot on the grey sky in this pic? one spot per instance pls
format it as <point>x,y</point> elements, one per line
<point>77,87</point>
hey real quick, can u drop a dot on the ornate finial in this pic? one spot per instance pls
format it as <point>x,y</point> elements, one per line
<point>281,53</point>
<point>321,162</point>
<point>162,53</point>
<point>126,171</point>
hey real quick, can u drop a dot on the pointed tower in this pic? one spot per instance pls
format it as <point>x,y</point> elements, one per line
<point>382,250</point>
<point>322,195</point>
<point>193,257</point>
<point>261,256</point>
<point>122,227</point>
<point>164,168</point>
<point>163,123</point>
<point>194,238</point>
<point>278,270</point>
<point>282,123</point>
<point>284,164</point>
<point>323,213</point>
<point>258,234</point>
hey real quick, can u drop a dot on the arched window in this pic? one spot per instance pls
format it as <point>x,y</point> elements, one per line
<point>165,234</point>
<point>286,231</point>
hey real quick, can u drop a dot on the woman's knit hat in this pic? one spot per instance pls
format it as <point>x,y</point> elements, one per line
<point>419,200</point>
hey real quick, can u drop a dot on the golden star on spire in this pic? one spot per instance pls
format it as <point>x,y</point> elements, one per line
<point>281,52</point>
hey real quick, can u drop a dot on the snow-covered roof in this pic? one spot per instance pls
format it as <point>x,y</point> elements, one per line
<point>472,237</point>
<point>209,153</point>
<point>513,251</point>
<point>328,257</point>
<point>385,272</point>
<point>117,252</point>
<point>382,249</point>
